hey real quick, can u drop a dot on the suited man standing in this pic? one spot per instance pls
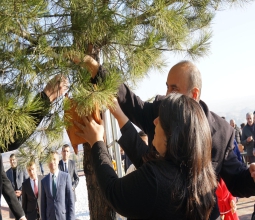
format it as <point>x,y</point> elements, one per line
<point>31,193</point>
<point>68,166</point>
<point>17,176</point>
<point>57,198</point>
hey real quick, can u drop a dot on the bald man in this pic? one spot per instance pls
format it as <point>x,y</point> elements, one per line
<point>185,78</point>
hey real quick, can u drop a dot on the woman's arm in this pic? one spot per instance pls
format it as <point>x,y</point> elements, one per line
<point>134,195</point>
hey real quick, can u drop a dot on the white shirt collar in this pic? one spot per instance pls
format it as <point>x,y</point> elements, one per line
<point>32,183</point>
<point>56,173</point>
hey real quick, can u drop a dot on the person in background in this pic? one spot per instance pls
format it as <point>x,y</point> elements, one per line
<point>31,193</point>
<point>248,136</point>
<point>143,136</point>
<point>238,132</point>
<point>57,197</point>
<point>68,166</point>
<point>176,181</point>
<point>17,176</point>
<point>242,126</point>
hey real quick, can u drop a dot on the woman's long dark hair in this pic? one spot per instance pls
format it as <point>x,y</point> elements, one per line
<point>189,146</point>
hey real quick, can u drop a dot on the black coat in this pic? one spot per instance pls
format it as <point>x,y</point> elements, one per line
<point>145,193</point>
<point>236,175</point>
<point>248,146</point>
<point>30,203</point>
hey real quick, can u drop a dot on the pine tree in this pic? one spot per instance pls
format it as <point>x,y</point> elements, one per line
<point>40,39</point>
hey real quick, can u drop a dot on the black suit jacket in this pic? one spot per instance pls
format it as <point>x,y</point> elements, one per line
<point>21,176</point>
<point>72,172</point>
<point>30,203</point>
<point>236,175</point>
<point>5,185</point>
<point>247,132</point>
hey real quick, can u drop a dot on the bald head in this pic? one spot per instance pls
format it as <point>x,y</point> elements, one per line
<point>232,123</point>
<point>185,78</point>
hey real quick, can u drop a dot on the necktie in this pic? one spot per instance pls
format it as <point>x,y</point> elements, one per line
<point>35,189</point>
<point>54,187</point>
<point>65,168</point>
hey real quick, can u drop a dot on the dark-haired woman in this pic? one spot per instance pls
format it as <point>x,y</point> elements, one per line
<point>177,181</point>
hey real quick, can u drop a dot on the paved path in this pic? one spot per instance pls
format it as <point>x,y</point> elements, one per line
<point>245,208</point>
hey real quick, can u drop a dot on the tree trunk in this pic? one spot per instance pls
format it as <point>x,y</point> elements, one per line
<point>98,207</point>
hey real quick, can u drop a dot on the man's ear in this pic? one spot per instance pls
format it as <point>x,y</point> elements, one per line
<point>195,94</point>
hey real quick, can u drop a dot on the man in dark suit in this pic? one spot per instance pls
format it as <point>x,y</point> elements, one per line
<point>57,198</point>
<point>55,88</point>
<point>248,137</point>
<point>31,193</point>
<point>68,166</point>
<point>17,176</point>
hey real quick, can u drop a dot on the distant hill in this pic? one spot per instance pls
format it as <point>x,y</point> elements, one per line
<point>233,109</point>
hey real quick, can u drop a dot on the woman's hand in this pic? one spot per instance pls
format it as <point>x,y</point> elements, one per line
<point>118,113</point>
<point>91,131</point>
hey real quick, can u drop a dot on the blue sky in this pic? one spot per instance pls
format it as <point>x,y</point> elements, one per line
<point>228,72</point>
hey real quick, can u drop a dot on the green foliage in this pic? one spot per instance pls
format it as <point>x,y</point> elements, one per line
<point>38,36</point>
<point>17,117</point>
<point>87,95</point>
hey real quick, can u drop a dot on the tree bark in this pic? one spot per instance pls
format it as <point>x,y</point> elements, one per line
<point>98,207</point>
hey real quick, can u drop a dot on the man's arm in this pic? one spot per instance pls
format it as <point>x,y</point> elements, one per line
<point>24,198</point>
<point>38,115</point>
<point>132,144</point>
<point>130,141</point>
<point>235,174</point>
<point>55,88</point>
<point>241,185</point>
<point>75,176</point>
<point>244,138</point>
<point>9,194</point>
